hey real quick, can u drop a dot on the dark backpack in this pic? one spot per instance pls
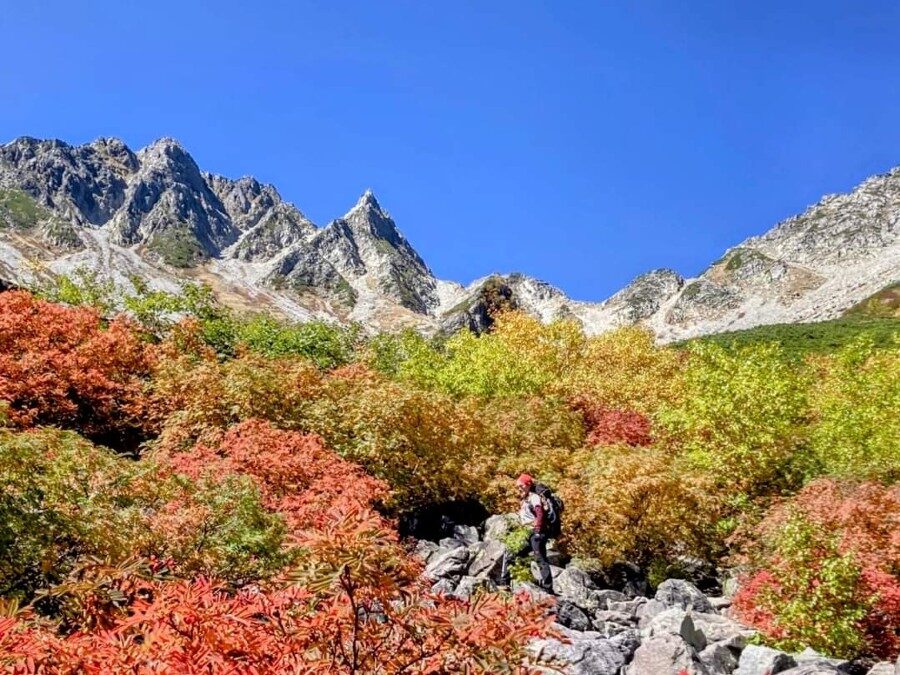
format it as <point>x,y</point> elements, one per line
<point>553,509</point>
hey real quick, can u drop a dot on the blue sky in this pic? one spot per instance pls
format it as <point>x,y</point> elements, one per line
<point>580,142</point>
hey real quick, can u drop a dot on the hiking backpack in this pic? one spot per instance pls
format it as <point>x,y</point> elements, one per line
<point>553,508</point>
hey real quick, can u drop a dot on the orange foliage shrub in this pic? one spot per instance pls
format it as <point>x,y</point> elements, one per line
<point>60,366</point>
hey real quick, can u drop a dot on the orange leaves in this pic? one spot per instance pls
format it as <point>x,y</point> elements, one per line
<point>60,366</point>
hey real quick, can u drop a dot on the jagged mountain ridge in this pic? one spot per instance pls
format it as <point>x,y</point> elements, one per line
<point>156,214</point>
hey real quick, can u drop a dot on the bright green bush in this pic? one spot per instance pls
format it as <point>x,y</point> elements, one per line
<point>63,499</point>
<point>742,419</point>
<point>856,399</point>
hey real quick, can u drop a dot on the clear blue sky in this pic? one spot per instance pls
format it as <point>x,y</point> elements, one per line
<point>581,142</point>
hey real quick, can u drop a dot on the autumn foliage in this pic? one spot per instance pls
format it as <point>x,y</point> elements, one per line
<point>62,366</point>
<point>217,494</point>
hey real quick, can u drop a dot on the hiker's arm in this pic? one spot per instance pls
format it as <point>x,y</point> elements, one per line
<point>538,518</point>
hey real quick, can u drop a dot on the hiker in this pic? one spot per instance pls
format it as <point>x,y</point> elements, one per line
<point>533,513</point>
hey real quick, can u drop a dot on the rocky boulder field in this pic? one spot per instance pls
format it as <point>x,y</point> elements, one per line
<point>627,629</point>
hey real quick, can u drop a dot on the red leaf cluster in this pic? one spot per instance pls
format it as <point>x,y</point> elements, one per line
<point>610,426</point>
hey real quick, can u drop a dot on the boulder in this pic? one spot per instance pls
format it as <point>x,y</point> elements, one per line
<point>883,668</point>
<point>719,603</point>
<point>607,595</point>
<point>575,585</point>
<point>450,542</point>
<point>683,594</point>
<point>646,611</point>
<point>468,585</point>
<point>580,657</point>
<point>448,563</point>
<point>632,606</point>
<point>444,587</point>
<point>719,659</point>
<point>487,559</point>
<point>609,628</point>
<point>676,622</point>
<point>571,616</point>
<point>715,627</point>
<point>426,549</point>
<point>532,590</point>
<point>608,615</point>
<point>497,527</point>
<point>467,534</point>
<point>810,656</point>
<point>758,660</point>
<point>665,655</point>
<point>626,642</point>
<point>812,669</point>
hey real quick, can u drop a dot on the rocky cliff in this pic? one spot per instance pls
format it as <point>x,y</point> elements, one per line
<point>154,213</point>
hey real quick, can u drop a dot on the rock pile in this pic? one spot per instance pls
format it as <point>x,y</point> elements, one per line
<point>603,631</point>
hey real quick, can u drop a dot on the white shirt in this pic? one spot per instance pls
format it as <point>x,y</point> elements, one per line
<point>528,508</point>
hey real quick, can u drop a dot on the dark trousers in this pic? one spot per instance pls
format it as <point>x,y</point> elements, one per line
<point>536,544</point>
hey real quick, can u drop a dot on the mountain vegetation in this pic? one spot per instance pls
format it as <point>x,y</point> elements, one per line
<point>208,491</point>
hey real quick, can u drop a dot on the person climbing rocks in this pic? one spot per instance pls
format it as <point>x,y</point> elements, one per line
<point>533,513</point>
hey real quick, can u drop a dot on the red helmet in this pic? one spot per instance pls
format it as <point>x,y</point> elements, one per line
<point>525,480</point>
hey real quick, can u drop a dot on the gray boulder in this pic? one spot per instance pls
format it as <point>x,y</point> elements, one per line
<point>758,660</point>
<point>487,559</point>
<point>812,669</point>
<point>468,585</point>
<point>626,642</point>
<point>683,594</point>
<point>571,616</point>
<point>574,585</point>
<point>676,622</point>
<point>450,542</point>
<point>884,668</point>
<point>497,527</point>
<point>426,549</point>
<point>646,611</point>
<point>444,587</point>
<point>810,656</point>
<point>532,590</point>
<point>719,659</point>
<point>715,628</point>
<point>448,563</point>
<point>665,655</point>
<point>580,657</point>
<point>467,534</point>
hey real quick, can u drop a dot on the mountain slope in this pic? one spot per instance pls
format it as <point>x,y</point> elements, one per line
<point>155,214</point>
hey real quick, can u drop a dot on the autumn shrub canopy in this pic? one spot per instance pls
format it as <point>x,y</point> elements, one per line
<point>217,493</point>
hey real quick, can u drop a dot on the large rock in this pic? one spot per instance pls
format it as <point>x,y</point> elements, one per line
<point>448,563</point>
<point>575,585</point>
<point>757,660</point>
<point>532,590</point>
<point>571,616</point>
<point>719,659</point>
<point>468,585</point>
<point>884,668</point>
<point>467,534</point>
<point>665,655</point>
<point>497,527</point>
<point>580,657</point>
<point>676,622</point>
<point>813,669</point>
<point>646,611</point>
<point>487,559</point>
<point>426,549</point>
<point>810,656</point>
<point>683,594</point>
<point>715,628</point>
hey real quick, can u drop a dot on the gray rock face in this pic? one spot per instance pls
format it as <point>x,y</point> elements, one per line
<point>572,616</point>
<point>683,594</point>
<point>497,527</point>
<point>665,655</point>
<point>466,534</point>
<point>719,659</point>
<point>449,563</point>
<point>156,204</point>
<point>757,660</point>
<point>487,559</point>
<point>582,657</point>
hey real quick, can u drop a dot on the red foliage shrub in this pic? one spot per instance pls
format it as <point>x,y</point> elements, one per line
<point>295,473</point>
<point>828,570</point>
<point>60,366</point>
<point>608,426</point>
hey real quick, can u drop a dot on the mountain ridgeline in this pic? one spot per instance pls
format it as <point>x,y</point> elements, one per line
<point>155,214</point>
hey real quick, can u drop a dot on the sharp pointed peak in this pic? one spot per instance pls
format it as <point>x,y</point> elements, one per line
<point>366,202</point>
